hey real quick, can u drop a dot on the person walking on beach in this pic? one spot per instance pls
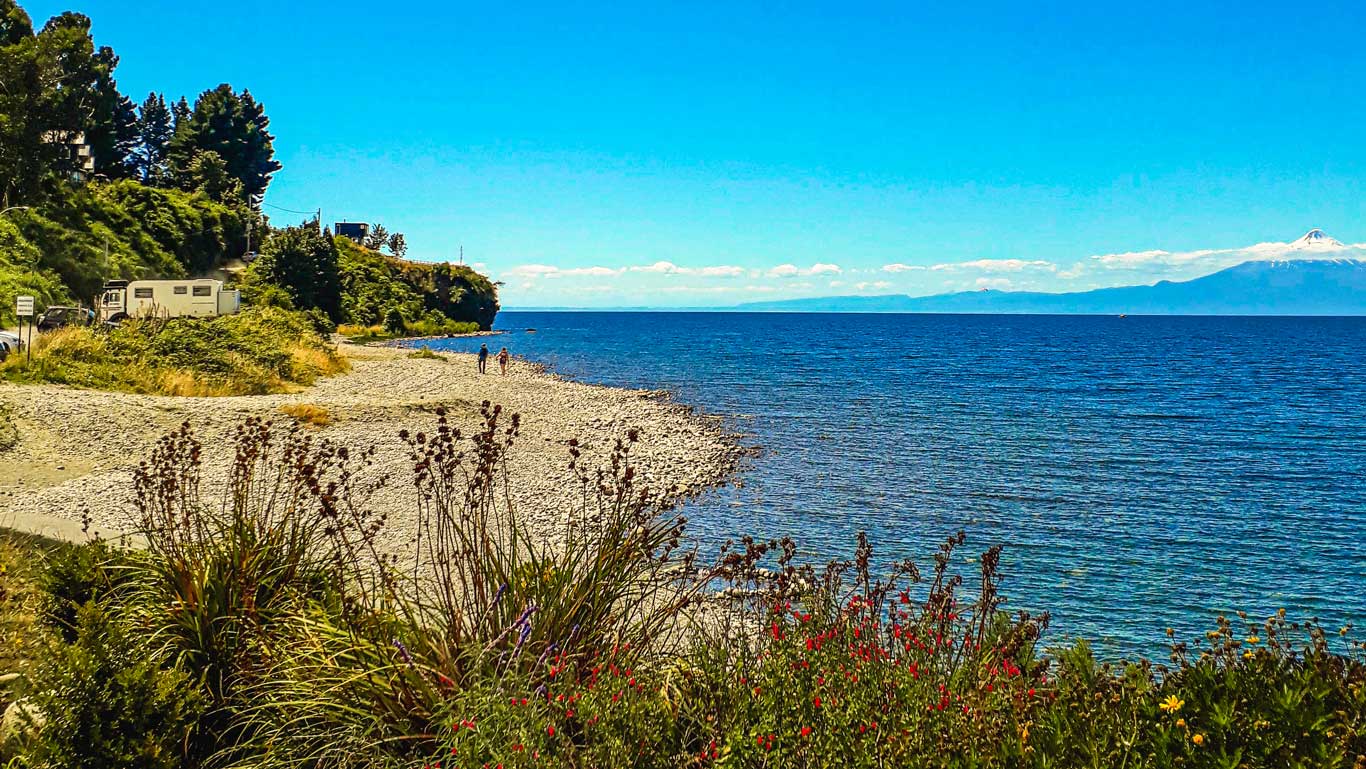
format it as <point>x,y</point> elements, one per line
<point>483,358</point>
<point>503,361</point>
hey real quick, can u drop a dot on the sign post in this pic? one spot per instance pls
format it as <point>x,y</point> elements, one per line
<point>23,307</point>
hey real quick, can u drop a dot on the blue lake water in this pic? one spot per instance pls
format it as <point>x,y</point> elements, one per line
<point>1142,472</point>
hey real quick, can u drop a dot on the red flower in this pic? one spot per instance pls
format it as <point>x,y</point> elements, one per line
<point>816,702</point>
<point>550,730</point>
<point>806,731</point>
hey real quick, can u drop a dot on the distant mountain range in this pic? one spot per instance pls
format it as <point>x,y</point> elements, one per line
<point>1325,286</point>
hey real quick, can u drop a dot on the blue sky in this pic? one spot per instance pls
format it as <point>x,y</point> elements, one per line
<point>706,154</point>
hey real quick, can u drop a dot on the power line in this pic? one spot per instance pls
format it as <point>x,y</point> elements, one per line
<point>287,209</point>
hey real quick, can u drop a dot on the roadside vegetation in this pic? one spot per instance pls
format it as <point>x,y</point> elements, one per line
<point>257,351</point>
<point>266,629</point>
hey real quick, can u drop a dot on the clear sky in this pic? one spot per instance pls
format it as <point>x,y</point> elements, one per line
<point>712,153</point>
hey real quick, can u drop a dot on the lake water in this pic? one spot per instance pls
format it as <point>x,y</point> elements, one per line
<point>1142,472</point>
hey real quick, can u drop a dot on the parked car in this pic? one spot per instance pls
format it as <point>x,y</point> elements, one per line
<point>8,343</point>
<point>56,317</point>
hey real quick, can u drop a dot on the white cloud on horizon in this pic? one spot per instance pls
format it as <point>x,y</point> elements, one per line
<point>793,271</point>
<point>998,265</point>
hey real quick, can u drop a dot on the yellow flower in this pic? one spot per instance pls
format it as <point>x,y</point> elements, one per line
<point>1198,739</point>
<point>1247,655</point>
<point>1181,722</point>
<point>1252,639</point>
<point>1171,704</point>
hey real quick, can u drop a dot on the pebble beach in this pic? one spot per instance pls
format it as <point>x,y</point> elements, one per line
<point>78,448</point>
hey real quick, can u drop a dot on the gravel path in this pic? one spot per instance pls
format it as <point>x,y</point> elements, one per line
<point>78,447</point>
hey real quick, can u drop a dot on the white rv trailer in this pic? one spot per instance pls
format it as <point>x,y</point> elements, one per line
<point>197,298</point>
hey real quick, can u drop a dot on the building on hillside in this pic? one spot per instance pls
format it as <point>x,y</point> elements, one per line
<point>353,230</point>
<point>82,162</point>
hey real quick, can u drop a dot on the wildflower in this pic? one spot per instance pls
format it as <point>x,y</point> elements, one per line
<point>1171,704</point>
<point>1198,739</point>
<point>1181,723</point>
<point>816,702</point>
<point>806,731</point>
<point>1252,639</point>
<point>550,730</point>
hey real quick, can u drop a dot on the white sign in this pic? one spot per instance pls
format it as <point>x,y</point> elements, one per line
<point>24,306</point>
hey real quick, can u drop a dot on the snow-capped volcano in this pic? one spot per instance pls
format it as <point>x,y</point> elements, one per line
<point>1317,240</point>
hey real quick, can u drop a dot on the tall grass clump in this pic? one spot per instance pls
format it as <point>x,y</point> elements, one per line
<point>260,350</point>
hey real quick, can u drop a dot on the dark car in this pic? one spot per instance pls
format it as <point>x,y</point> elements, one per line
<point>56,317</point>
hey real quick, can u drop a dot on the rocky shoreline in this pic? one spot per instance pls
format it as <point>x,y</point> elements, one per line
<point>78,448</point>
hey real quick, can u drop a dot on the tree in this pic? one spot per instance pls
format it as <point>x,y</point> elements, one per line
<point>376,237</point>
<point>302,261</point>
<point>181,114</point>
<point>397,245</point>
<point>155,128</point>
<point>208,173</point>
<point>235,127</point>
<point>15,25</point>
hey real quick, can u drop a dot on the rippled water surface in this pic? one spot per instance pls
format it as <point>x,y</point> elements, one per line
<point>1143,473</point>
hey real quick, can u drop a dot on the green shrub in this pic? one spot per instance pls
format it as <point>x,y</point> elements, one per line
<point>425,352</point>
<point>84,573</point>
<point>394,322</point>
<point>108,702</point>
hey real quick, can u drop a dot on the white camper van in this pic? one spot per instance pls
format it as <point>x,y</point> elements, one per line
<point>198,298</point>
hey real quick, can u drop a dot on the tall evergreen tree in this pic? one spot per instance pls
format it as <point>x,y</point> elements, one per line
<point>235,127</point>
<point>181,114</point>
<point>155,128</point>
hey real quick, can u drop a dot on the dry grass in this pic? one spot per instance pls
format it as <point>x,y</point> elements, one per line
<point>425,353</point>
<point>307,414</point>
<point>259,351</point>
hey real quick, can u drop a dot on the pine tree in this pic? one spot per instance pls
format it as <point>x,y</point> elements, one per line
<point>235,128</point>
<point>155,128</point>
<point>181,114</point>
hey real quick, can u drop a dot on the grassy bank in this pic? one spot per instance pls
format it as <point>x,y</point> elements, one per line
<point>256,630</point>
<point>258,351</point>
<point>358,334</point>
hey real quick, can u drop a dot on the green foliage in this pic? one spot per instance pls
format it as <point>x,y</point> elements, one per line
<point>58,85</point>
<point>21,272</point>
<point>83,574</point>
<point>373,283</point>
<point>234,128</point>
<point>256,351</point>
<point>304,263</point>
<point>155,128</point>
<point>425,353</point>
<point>394,322</point>
<point>57,251</point>
<point>109,702</point>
